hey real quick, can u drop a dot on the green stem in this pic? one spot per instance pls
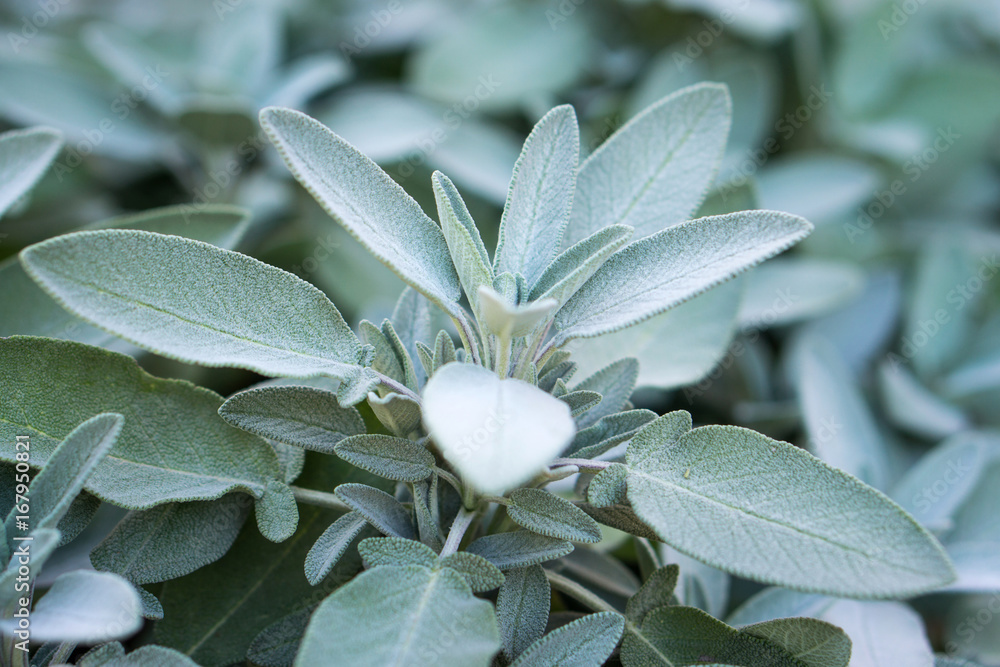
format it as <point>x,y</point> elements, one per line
<point>504,343</point>
<point>585,465</point>
<point>468,338</point>
<point>457,532</point>
<point>62,653</point>
<point>319,499</point>
<point>578,592</point>
<point>448,477</point>
<point>397,387</point>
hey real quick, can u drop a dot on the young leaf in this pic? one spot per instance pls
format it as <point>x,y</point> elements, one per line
<point>521,548</point>
<point>523,608</point>
<point>398,413</point>
<point>546,514</point>
<point>657,591</point>
<point>464,242</point>
<point>383,455</point>
<point>608,432</point>
<point>812,642</point>
<point>574,266</point>
<point>394,551</point>
<point>620,517</point>
<point>401,616</point>
<point>25,155</point>
<point>540,197</point>
<point>503,318</point>
<point>497,433</point>
<point>580,402</point>
<point>379,508</point>
<point>615,383</point>
<point>608,486</point>
<point>481,574</point>
<point>385,361</point>
<point>277,644</point>
<point>411,319</point>
<point>331,545</point>
<point>66,471</point>
<point>654,172</point>
<point>157,458</point>
<point>367,202</point>
<point>776,498</point>
<point>661,271</point>
<point>303,416</point>
<point>587,642</point>
<point>193,302</point>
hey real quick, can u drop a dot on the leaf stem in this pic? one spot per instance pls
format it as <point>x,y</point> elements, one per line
<point>504,344</point>
<point>397,387</point>
<point>468,338</point>
<point>319,499</point>
<point>531,350</point>
<point>457,532</point>
<point>448,477</point>
<point>62,653</point>
<point>585,465</point>
<point>582,595</point>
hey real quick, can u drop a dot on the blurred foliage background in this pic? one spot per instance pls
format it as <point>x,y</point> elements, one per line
<point>875,344</point>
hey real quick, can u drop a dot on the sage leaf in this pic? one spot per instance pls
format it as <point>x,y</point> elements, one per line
<point>520,548</point>
<point>367,203</point>
<point>157,458</point>
<point>379,508</point>
<point>468,253</point>
<point>587,642</point>
<point>661,271</point>
<point>651,448</point>
<point>546,514</point>
<point>277,644</point>
<point>306,417</point>
<point>812,642</point>
<point>608,486</point>
<point>401,616</point>
<point>25,156</point>
<point>574,266</point>
<point>608,432</point>
<point>411,319</point>
<point>775,497</point>
<point>615,383</point>
<point>398,413</point>
<point>497,433</point>
<point>540,197</point>
<point>227,310</point>
<point>654,171</point>
<point>620,517</point>
<point>523,608</point>
<point>332,544</point>
<point>508,320</point>
<point>395,551</point>
<point>480,574</point>
<point>383,455</point>
<point>657,591</point>
<point>580,402</point>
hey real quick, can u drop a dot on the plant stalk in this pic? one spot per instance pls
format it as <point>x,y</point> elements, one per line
<point>457,532</point>
<point>319,499</point>
<point>578,592</point>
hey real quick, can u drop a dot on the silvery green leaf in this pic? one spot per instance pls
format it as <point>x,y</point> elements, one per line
<point>409,372</point>
<point>775,496</point>
<point>587,641</point>
<point>788,290</point>
<point>651,446</point>
<point>355,385</point>
<point>506,319</point>
<point>303,416</point>
<point>25,155</point>
<point>468,253</point>
<point>379,508</point>
<point>620,517</point>
<point>540,197</point>
<point>411,319</point>
<point>331,545</point>
<point>367,202</point>
<point>654,171</point>
<point>426,356</point>
<point>615,383</point>
<point>386,361</point>
<point>67,469</point>
<point>171,540</point>
<point>608,432</point>
<point>882,633</point>
<point>580,401</point>
<point>913,407</point>
<point>398,413</point>
<point>675,348</point>
<point>427,509</point>
<point>401,616</point>
<point>222,225</point>
<point>497,433</point>
<point>774,602</point>
<point>977,375</point>
<point>520,548</point>
<point>546,514</point>
<point>666,269</point>
<point>599,571</point>
<point>98,656</point>
<point>249,314</point>
<point>42,545</point>
<point>444,350</point>
<point>699,585</point>
<point>608,486</point>
<point>822,188</point>
<point>563,372</point>
<point>523,608</point>
<point>157,458</point>
<point>85,608</point>
<point>480,574</point>
<point>812,642</point>
<point>657,591</point>
<point>397,459</point>
<point>975,539</point>
<point>277,644</point>
<point>839,423</point>
<point>574,266</point>
<point>395,551</point>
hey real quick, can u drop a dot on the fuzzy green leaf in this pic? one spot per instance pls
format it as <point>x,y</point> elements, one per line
<point>661,271</point>
<point>608,486</point>
<point>480,574</point>
<point>587,642</point>
<point>812,642</point>
<point>25,155</point>
<point>401,616</point>
<point>657,591</point>
<point>398,413</point>
<point>503,318</point>
<point>367,202</point>
<point>392,551</point>
<point>608,432</point>
<point>194,302</point>
<point>383,455</point>
<point>523,608</point>
<point>277,644</point>
<point>379,508</point>
<point>303,416</point>
<point>520,548</point>
<point>468,253</point>
<point>651,446</point>
<point>540,197</point>
<point>772,501</point>
<point>332,544</point>
<point>157,458</point>
<point>574,266</point>
<point>655,171</point>
<point>546,514</point>
<point>497,433</point>
<point>615,383</point>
